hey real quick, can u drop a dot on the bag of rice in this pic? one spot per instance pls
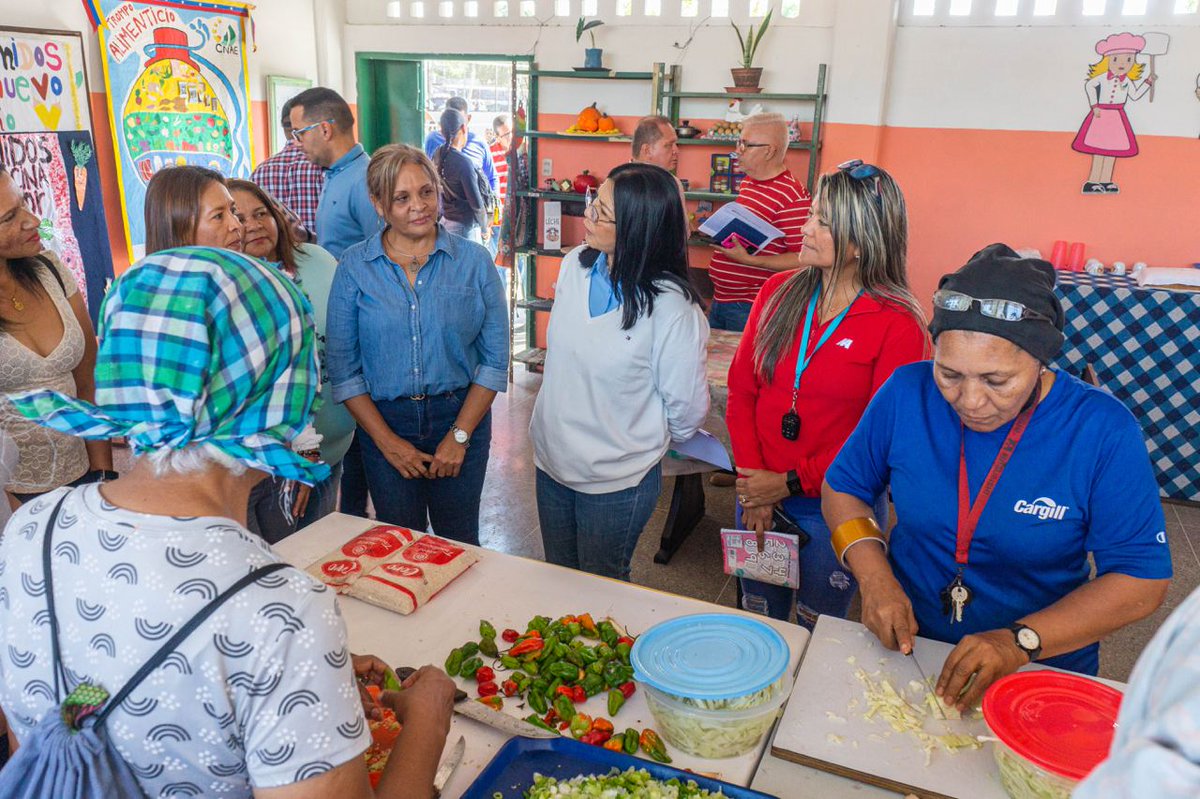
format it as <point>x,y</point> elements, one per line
<point>410,579</point>
<point>345,565</point>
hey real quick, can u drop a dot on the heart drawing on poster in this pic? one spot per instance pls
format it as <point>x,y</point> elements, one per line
<point>49,115</point>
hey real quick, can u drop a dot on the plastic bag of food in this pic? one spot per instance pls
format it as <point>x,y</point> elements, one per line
<point>345,565</point>
<point>410,579</point>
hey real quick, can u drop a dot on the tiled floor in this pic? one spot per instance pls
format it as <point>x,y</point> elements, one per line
<point>510,524</point>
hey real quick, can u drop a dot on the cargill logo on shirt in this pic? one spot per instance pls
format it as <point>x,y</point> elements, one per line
<point>845,343</point>
<point>1043,507</point>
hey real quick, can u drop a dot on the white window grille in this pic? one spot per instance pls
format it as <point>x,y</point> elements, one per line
<point>1007,8</point>
<point>960,8</point>
<point>446,8</point>
<point>1094,8</point>
<point>417,9</point>
<point>393,9</point>
<point>720,8</point>
<point>790,9</point>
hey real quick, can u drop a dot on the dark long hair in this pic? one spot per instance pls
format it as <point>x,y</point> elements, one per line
<point>24,270</point>
<point>173,205</point>
<point>451,122</point>
<point>285,244</point>
<point>651,235</point>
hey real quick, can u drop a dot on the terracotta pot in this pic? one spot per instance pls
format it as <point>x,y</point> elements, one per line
<point>746,77</point>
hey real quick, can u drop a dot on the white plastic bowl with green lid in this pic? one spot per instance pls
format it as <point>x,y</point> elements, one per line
<point>714,682</point>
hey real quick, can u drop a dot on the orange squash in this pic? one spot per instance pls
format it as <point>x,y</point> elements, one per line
<point>589,119</point>
<point>606,125</point>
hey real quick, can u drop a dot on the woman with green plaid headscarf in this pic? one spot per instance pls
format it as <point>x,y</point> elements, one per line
<point>208,365</point>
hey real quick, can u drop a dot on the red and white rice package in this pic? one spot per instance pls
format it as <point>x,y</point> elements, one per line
<point>394,568</point>
<point>341,568</point>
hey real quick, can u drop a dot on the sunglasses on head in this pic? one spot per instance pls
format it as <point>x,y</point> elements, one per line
<point>1004,310</point>
<point>860,171</point>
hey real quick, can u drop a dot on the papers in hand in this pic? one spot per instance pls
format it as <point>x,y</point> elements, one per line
<point>704,446</point>
<point>733,219</point>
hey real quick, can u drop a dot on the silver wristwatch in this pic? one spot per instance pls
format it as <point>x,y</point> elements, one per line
<point>460,436</point>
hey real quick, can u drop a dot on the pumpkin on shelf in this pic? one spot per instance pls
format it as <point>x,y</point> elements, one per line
<point>589,121</point>
<point>606,125</point>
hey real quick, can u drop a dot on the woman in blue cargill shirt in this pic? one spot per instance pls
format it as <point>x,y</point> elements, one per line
<point>417,349</point>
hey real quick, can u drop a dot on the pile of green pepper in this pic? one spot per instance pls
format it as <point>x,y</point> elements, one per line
<point>553,667</point>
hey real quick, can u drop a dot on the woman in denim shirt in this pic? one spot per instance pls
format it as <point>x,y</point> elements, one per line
<point>417,349</point>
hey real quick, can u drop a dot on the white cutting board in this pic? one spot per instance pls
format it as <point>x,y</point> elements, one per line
<point>826,684</point>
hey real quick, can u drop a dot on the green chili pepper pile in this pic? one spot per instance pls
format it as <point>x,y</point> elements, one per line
<point>553,666</point>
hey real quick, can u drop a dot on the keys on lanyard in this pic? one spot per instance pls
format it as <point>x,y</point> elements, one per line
<point>956,596</point>
<point>789,425</point>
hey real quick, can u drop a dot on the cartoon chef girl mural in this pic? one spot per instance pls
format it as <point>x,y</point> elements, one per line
<point>1105,134</point>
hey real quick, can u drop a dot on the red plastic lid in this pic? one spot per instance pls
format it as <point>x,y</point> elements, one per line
<point>1062,723</point>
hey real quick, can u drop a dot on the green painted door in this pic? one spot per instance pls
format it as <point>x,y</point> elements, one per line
<point>391,102</point>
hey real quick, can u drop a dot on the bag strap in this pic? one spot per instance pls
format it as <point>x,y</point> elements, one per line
<point>60,675</point>
<point>57,277</point>
<point>166,649</point>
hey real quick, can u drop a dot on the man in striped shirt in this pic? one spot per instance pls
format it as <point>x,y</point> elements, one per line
<point>499,152</point>
<point>770,192</point>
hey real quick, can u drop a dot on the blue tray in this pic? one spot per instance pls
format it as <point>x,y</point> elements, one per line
<point>511,771</point>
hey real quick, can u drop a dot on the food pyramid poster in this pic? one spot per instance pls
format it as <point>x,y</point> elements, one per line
<point>178,92</point>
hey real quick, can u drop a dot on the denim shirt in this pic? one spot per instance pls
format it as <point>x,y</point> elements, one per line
<point>390,339</point>
<point>345,215</point>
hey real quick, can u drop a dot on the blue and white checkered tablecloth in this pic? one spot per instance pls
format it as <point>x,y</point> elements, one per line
<point>1145,347</point>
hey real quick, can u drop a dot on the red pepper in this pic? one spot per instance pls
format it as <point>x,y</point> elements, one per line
<point>596,737</point>
<point>527,646</point>
<point>484,674</point>
<point>566,691</point>
<point>602,724</point>
<point>624,639</point>
<point>510,635</point>
<point>493,702</point>
<point>627,688</point>
<point>488,688</point>
<point>578,694</point>
<point>564,725</point>
<point>509,687</point>
<point>551,717</point>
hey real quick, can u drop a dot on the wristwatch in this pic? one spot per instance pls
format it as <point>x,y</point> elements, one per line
<point>460,436</point>
<point>793,484</point>
<point>1028,641</point>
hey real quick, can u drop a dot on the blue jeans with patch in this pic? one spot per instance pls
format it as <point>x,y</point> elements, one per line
<point>728,315</point>
<point>825,587</point>
<point>595,533</point>
<point>449,504</point>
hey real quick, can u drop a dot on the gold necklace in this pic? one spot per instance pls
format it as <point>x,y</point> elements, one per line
<point>422,257</point>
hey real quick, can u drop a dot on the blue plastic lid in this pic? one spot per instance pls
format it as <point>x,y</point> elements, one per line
<point>710,656</point>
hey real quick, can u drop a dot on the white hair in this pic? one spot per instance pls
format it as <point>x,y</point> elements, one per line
<point>775,126</point>
<point>191,459</point>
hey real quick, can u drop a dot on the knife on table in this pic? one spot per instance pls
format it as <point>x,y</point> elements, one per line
<point>448,764</point>
<point>496,719</point>
<point>912,653</point>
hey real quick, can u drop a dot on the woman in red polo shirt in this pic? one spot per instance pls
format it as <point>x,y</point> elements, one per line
<point>850,310</point>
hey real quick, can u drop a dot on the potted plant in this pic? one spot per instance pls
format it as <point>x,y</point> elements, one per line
<point>746,77</point>
<point>593,55</point>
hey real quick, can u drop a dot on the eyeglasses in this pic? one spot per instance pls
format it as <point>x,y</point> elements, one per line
<point>299,133</point>
<point>1004,310</point>
<point>749,145</point>
<point>860,171</point>
<point>591,206</point>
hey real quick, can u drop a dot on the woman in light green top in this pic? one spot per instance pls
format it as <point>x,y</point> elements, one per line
<point>269,237</point>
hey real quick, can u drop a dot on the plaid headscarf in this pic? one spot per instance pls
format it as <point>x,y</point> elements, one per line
<point>199,346</point>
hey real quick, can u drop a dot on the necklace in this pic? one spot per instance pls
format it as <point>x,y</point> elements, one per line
<point>416,261</point>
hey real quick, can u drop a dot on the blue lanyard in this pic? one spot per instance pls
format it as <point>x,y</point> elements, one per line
<point>802,360</point>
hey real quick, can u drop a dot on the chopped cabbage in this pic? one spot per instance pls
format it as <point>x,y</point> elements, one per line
<point>709,732</point>
<point>905,715</point>
<point>630,784</point>
<point>1023,780</point>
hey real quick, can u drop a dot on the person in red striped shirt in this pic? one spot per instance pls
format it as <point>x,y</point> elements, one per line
<point>851,315</point>
<point>771,192</point>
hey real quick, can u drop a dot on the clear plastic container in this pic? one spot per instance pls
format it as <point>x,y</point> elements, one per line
<point>705,729</point>
<point>1024,780</point>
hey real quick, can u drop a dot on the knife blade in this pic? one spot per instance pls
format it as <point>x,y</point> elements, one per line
<point>912,653</point>
<point>448,764</point>
<point>499,720</point>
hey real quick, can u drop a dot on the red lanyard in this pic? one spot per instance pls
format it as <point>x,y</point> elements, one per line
<point>968,515</point>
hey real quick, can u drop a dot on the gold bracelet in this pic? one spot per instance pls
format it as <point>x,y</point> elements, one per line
<point>850,532</point>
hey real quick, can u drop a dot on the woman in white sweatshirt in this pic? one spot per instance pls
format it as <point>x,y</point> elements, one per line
<point>624,373</point>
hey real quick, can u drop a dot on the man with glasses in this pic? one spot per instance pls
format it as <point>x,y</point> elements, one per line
<point>293,181</point>
<point>324,128</point>
<point>772,193</point>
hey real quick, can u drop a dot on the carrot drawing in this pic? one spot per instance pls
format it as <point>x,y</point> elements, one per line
<point>82,151</point>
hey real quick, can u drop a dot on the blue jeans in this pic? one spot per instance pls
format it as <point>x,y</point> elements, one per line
<point>468,230</point>
<point>323,499</point>
<point>728,315</point>
<point>449,504</point>
<point>354,479</point>
<point>825,587</point>
<point>595,533</point>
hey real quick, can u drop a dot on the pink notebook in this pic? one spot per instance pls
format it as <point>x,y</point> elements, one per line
<point>778,563</point>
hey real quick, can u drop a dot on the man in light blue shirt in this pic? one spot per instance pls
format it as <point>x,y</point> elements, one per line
<point>475,149</point>
<point>324,127</point>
